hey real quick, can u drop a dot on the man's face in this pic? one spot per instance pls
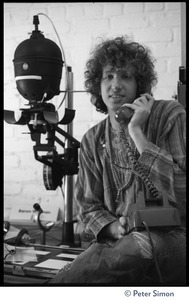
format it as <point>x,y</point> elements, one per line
<point>117,87</point>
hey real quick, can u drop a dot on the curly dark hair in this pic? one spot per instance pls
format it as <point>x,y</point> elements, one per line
<point>118,52</point>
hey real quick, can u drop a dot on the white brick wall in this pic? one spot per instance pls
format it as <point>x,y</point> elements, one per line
<point>156,24</point>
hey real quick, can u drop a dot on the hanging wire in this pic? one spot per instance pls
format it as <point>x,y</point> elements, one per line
<point>64,58</point>
<point>138,168</point>
<point>10,252</point>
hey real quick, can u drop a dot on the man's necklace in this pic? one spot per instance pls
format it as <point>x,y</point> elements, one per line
<point>130,174</point>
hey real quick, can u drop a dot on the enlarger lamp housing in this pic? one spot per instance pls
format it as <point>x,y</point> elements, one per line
<point>38,68</point>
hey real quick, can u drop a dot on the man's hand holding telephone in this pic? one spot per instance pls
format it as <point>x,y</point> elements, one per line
<point>137,112</point>
<point>135,116</point>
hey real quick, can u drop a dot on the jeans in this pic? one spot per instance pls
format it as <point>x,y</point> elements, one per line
<point>128,262</point>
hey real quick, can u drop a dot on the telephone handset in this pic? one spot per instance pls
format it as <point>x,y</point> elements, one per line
<point>156,211</point>
<point>124,115</point>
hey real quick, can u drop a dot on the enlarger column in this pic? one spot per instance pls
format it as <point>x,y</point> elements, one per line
<point>67,230</point>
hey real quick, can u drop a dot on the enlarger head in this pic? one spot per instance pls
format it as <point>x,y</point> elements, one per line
<point>38,67</point>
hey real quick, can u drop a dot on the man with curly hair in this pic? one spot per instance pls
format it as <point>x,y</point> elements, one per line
<point>123,163</point>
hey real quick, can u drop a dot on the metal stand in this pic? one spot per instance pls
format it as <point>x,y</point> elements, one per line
<point>67,228</point>
<point>44,228</point>
<point>42,118</point>
<point>43,237</point>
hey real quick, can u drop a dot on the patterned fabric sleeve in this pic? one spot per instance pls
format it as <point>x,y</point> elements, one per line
<point>165,162</point>
<point>89,190</point>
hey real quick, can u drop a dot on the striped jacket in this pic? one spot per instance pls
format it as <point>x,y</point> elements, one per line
<point>163,160</point>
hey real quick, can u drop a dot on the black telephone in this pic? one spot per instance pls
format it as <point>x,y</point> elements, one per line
<point>124,115</point>
<point>154,212</point>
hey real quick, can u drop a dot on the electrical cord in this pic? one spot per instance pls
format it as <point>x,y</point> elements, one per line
<point>64,58</point>
<point>10,252</point>
<point>138,168</point>
<point>154,192</point>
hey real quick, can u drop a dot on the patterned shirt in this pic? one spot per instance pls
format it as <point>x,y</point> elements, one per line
<point>106,184</point>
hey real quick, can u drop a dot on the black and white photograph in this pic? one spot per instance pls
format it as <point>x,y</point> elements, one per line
<point>94,149</point>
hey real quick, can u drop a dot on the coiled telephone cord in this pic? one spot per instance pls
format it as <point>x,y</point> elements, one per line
<point>138,168</point>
